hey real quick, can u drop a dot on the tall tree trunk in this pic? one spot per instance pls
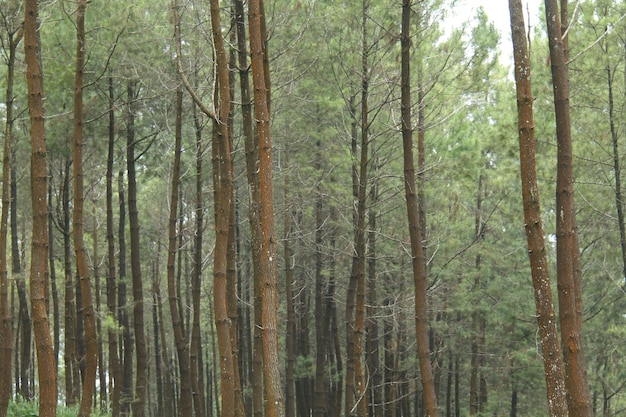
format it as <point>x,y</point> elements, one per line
<point>139,402</point>
<point>290,330</point>
<point>222,183</point>
<point>373,342</point>
<point>196,361</point>
<point>174,295</point>
<point>39,176</point>
<point>126,348</point>
<point>274,402</point>
<point>25,387</point>
<point>567,250</point>
<point>6,329</point>
<point>415,233</point>
<point>319,400</point>
<point>102,365</point>
<point>252,175</point>
<point>72,381</point>
<point>91,341</point>
<point>550,345</point>
<point>54,292</point>
<point>166,372</point>
<point>114,361</point>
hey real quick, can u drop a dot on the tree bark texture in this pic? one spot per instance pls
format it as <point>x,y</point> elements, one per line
<point>91,341</point>
<point>274,402</point>
<point>39,176</point>
<point>568,258</point>
<point>222,183</point>
<point>6,329</point>
<point>415,233</point>
<point>546,320</point>
<point>111,284</point>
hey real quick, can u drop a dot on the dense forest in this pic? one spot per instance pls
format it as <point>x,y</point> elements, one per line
<point>289,208</point>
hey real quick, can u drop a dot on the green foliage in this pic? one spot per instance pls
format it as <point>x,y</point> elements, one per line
<point>22,408</point>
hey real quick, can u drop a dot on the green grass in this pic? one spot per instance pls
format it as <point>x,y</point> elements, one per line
<point>22,408</point>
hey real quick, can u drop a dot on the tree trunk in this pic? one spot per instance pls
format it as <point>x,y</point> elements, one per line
<point>196,361</point>
<point>415,233</point>
<point>567,250</point>
<point>126,352</point>
<point>222,183</point>
<point>550,345</point>
<point>6,329</point>
<point>252,175</point>
<point>91,342</point>
<point>274,403</point>
<point>373,338</point>
<point>114,362</point>
<point>319,400</point>
<point>174,295</point>
<point>139,402</point>
<point>39,176</point>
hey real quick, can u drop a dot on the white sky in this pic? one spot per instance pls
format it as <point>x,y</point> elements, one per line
<point>498,12</point>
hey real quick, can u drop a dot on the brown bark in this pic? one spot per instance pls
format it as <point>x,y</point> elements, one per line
<point>6,329</point>
<point>91,342</point>
<point>415,233</point>
<point>39,268</point>
<point>139,402</point>
<point>223,183</point>
<point>567,250</point>
<point>274,403</point>
<point>186,402</point>
<point>114,362</point>
<point>546,322</point>
<point>252,157</point>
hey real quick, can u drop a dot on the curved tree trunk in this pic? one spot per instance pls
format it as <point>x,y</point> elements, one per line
<point>415,233</point>
<point>550,345</point>
<point>39,176</point>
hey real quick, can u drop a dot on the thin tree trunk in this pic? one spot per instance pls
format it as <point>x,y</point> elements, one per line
<point>550,345</point>
<point>174,295</point>
<point>196,361</point>
<point>222,183</point>
<point>252,157</point>
<point>126,355</point>
<point>139,402</point>
<point>319,400</point>
<point>102,366</point>
<point>91,342</point>
<point>372,345</point>
<point>290,330</point>
<point>72,382</point>
<point>39,255</point>
<point>166,372</point>
<point>567,250</point>
<point>6,330</point>
<point>114,361</point>
<point>415,233</point>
